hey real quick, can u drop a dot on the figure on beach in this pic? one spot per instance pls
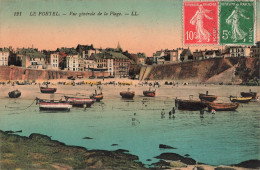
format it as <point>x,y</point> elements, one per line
<point>235,20</point>
<point>201,33</point>
<point>162,113</point>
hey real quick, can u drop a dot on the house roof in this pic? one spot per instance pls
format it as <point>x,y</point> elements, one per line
<point>85,47</point>
<point>185,52</point>
<point>198,54</point>
<point>35,55</point>
<point>158,53</point>
<point>109,55</point>
<point>211,52</point>
<point>4,50</point>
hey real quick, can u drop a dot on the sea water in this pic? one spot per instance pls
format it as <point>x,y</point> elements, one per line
<point>223,138</point>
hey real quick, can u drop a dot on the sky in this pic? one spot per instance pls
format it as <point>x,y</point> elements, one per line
<point>157,26</point>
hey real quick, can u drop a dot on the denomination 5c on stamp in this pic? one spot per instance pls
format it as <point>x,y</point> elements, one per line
<point>200,19</point>
<point>236,19</point>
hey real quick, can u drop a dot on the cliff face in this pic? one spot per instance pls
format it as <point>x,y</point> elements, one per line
<point>19,73</point>
<point>201,71</point>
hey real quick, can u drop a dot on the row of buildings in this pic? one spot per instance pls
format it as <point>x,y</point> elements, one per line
<point>183,55</point>
<point>82,58</point>
<point>113,60</point>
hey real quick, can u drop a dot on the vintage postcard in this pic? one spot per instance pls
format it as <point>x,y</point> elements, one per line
<point>129,84</point>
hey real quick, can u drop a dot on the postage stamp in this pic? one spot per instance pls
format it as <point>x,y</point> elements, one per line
<point>236,19</point>
<point>200,19</point>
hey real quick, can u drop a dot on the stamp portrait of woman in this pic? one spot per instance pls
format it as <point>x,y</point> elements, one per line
<point>198,20</point>
<point>235,21</point>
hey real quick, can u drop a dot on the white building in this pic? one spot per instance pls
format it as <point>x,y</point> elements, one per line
<point>90,65</point>
<point>54,60</point>
<point>4,55</point>
<point>72,62</point>
<point>237,51</point>
<point>110,68</point>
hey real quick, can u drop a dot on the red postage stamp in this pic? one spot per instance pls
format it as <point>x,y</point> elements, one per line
<point>200,19</point>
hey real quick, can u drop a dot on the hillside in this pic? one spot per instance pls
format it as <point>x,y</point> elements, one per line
<point>232,70</point>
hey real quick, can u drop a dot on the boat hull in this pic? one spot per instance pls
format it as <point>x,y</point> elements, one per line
<point>98,98</point>
<point>127,95</point>
<point>79,102</point>
<point>48,106</point>
<point>223,106</point>
<point>48,90</point>
<point>149,93</point>
<point>191,105</point>
<point>240,100</point>
<point>209,98</point>
<point>249,94</point>
<point>14,94</point>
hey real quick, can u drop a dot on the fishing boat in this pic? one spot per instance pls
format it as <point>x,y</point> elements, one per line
<point>127,94</point>
<point>149,93</point>
<point>191,105</point>
<point>240,99</point>
<point>207,97</point>
<point>249,94</point>
<point>48,90</point>
<point>97,96</point>
<point>79,102</point>
<point>53,105</point>
<point>223,106</point>
<point>14,94</point>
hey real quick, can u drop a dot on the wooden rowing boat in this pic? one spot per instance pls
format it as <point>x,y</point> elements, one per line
<point>127,94</point>
<point>223,106</point>
<point>79,102</point>
<point>207,97</point>
<point>14,94</point>
<point>53,105</point>
<point>191,105</point>
<point>249,94</point>
<point>240,99</point>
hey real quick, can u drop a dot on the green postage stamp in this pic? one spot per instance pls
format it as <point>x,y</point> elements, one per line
<point>237,22</point>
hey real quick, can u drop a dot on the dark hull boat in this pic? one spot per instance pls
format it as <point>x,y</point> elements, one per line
<point>223,106</point>
<point>249,94</point>
<point>79,102</point>
<point>191,105</point>
<point>53,105</point>
<point>149,93</point>
<point>14,94</point>
<point>206,97</point>
<point>127,94</point>
<point>240,99</point>
<point>47,90</point>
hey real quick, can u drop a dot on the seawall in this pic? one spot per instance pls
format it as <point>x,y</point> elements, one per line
<point>246,68</point>
<point>19,73</point>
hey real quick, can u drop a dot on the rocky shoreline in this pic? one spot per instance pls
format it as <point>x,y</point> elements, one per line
<point>41,152</point>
